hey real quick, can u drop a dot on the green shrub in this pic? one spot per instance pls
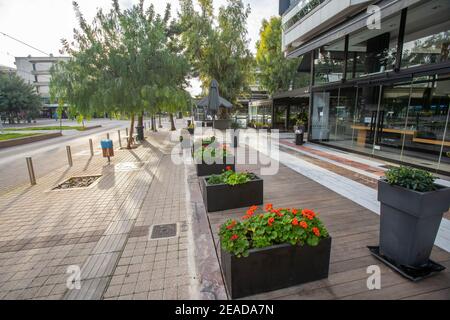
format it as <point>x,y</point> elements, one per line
<point>410,178</point>
<point>231,178</point>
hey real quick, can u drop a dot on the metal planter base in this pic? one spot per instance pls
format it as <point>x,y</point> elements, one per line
<point>412,273</point>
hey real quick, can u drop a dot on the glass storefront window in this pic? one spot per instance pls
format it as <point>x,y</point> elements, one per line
<point>373,51</point>
<point>427,43</point>
<point>329,63</point>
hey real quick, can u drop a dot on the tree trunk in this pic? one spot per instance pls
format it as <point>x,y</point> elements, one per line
<point>172,123</point>
<point>140,120</point>
<point>152,123</point>
<point>130,136</point>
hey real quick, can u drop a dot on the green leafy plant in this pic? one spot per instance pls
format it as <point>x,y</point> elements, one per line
<point>209,152</point>
<point>410,178</point>
<point>231,178</point>
<point>271,227</point>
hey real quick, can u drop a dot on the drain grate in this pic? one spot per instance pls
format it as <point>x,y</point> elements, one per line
<point>128,166</point>
<point>77,182</point>
<point>164,231</point>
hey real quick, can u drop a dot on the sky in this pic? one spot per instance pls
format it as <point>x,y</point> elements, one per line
<point>43,23</point>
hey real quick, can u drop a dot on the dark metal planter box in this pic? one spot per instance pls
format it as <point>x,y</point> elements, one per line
<point>275,268</point>
<point>224,197</point>
<point>409,222</point>
<point>204,169</point>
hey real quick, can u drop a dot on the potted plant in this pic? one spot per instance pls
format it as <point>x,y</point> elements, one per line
<point>213,159</point>
<point>231,190</point>
<point>412,206</point>
<point>223,122</point>
<point>272,250</point>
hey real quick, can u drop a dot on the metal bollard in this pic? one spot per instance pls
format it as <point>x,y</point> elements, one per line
<point>91,147</point>
<point>120,140</point>
<point>126,131</point>
<point>107,136</point>
<point>69,156</point>
<point>31,171</point>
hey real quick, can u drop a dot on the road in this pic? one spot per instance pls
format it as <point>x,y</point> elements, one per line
<point>51,154</point>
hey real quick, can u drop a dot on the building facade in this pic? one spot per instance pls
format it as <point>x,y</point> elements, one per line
<point>380,75</point>
<point>36,71</point>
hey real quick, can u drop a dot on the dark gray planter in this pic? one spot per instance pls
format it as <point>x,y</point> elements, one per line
<point>409,222</point>
<point>204,169</point>
<point>224,197</point>
<point>275,268</point>
<point>222,124</point>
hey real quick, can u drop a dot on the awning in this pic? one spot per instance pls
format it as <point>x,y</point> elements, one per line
<point>388,8</point>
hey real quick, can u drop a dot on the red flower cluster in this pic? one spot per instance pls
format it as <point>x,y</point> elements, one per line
<point>228,168</point>
<point>270,221</point>
<point>269,207</point>
<point>304,225</point>
<point>295,222</point>
<point>234,237</point>
<point>294,212</point>
<point>308,214</point>
<point>316,231</point>
<point>250,213</point>
<point>232,225</point>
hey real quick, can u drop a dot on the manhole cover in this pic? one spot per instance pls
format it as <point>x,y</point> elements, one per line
<point>163,231</point>
<point>128,166</point>
<point>77,182</point>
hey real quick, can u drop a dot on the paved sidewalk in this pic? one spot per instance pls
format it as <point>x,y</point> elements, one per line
<point>104,230</point>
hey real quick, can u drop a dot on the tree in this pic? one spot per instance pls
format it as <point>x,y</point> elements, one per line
<point>217,47</point>
<point>276,73</point>
<point>18,100</point>
<point>121,63</point>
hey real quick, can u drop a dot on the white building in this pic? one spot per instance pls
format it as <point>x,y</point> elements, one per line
<point>36,71</point>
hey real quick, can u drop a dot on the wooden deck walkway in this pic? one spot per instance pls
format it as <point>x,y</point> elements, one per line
<point>352,228</point>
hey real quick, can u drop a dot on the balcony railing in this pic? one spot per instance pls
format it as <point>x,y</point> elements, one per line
<point>306,7</point>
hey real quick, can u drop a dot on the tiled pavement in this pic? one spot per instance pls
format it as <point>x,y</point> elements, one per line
<point>102,229</point>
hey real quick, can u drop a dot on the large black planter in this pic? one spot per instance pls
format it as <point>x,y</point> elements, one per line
<point>275,268</point>
<point>410,221</point>
<point>204,169</point>
<point>224,197</point>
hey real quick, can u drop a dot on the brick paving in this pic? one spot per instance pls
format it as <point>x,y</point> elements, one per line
<point>102,229</point>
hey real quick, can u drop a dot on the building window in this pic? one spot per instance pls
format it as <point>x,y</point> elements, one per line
<point>329,63</point>
<point>425,42</point>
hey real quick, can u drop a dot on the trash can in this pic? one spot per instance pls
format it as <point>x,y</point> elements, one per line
<point>140,133</point>
<point>107,148</point>
<point>299,137</point>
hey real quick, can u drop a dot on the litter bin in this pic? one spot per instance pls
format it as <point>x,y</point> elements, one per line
<point>140,133</point>
<point>299,137</point>
<point>107,149</point>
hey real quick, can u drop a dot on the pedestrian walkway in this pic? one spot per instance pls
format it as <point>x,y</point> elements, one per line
<point>104,230</point>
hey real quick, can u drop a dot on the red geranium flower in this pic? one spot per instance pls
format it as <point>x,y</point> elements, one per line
<point>232,224</point>
<point>304,225</point>
<point>295,222</point>
<point>269,207</point>
<point>228,168</point>
<point>316,231</point>
<point>234,237</point>
<point>309,214</point>
<point>270,221</point>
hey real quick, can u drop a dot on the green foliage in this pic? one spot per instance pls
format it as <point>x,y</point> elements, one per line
<point>272,227</point>
<point>231,178</point>
<point>217,47</point>
<point>9,136</point>
<point>125,62</point>
<point>410,178</point>
<point>276,73</point>
<point>210,152</point>
<point>17,98</point>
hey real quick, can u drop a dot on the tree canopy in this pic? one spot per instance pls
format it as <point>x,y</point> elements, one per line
<point>18,100</point>
<point>217,46</point>
<point>125,61</point>
<point>276,73</point>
